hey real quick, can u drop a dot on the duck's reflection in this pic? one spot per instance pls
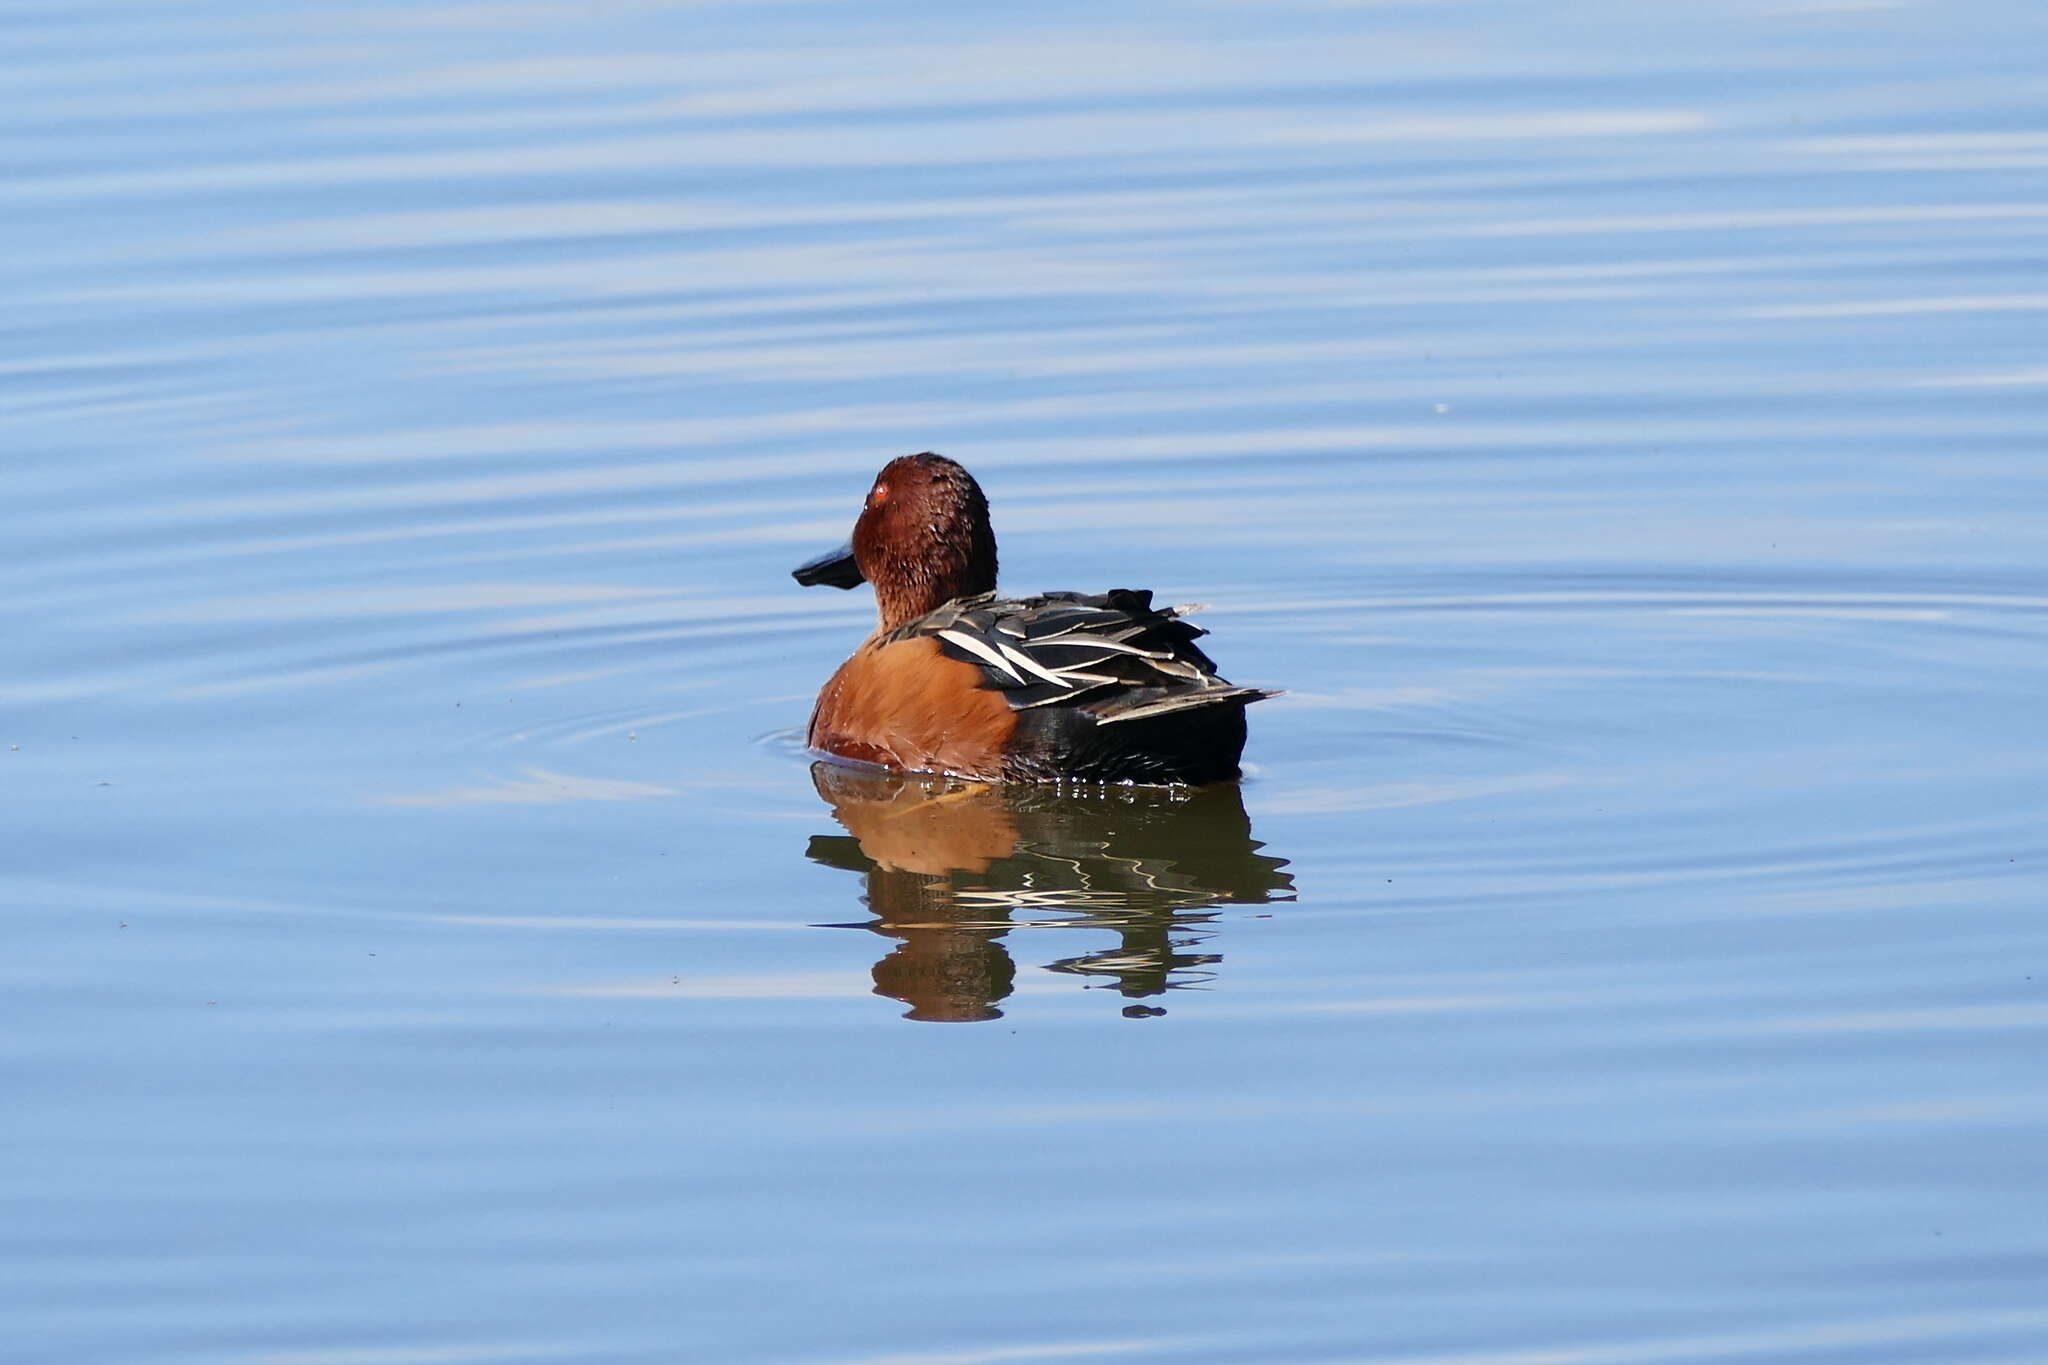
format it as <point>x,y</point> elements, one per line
<point>952,867</point>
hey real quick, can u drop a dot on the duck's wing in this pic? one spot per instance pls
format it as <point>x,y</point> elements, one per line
<point>1114,656</point>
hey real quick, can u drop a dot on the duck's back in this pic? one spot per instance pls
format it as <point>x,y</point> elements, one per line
<point>1103,688</point>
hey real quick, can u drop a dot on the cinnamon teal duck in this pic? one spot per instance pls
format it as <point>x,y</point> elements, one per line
<point>1061,686</point>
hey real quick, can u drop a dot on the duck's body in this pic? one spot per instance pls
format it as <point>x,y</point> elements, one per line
<point>1105,689</point>
<point>1102,688</point>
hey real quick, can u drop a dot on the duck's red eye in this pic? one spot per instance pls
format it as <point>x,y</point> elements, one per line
<point>878,494</point>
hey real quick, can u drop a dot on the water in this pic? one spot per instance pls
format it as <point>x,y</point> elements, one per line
<point>1618,429</point>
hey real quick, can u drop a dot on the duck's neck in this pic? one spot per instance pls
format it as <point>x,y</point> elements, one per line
<point>903,596</point>
<point>943,557</point>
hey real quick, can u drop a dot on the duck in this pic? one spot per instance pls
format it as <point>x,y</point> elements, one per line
<point>1058,687</point>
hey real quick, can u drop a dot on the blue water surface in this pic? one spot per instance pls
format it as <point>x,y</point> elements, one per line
<point>1619,428</point>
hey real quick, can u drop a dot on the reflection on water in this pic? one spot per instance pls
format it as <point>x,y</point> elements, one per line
<point>952,867</point>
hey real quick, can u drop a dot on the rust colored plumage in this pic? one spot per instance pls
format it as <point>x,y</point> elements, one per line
<point>924,537</point>
<point>903,704</point>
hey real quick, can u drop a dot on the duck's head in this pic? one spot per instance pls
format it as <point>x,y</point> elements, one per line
<point>923,539</point>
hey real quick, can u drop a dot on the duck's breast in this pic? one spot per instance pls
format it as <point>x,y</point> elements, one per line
<point>904,704</point>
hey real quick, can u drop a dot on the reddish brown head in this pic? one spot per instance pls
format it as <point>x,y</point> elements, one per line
<point>923,539</point>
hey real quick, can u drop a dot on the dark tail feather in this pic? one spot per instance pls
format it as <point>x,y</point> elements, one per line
<point>1141,708</point>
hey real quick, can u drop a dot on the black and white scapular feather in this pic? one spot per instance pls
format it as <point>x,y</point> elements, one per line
<point>1106,686</point>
